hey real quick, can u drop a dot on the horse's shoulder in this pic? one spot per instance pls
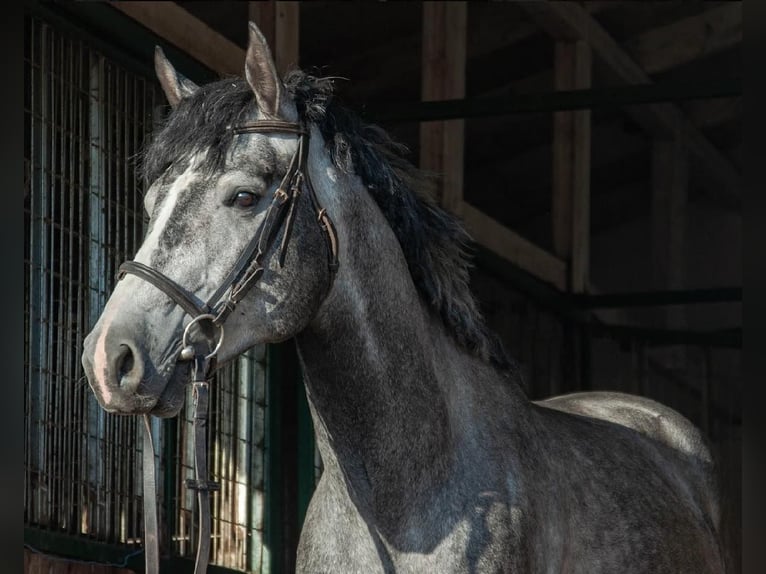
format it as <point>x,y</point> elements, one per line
<point>644,415</point>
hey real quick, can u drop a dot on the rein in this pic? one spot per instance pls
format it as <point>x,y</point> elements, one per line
<point>246,272</point>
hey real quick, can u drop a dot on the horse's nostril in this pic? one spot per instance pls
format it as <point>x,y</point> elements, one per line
<point>125,365</point>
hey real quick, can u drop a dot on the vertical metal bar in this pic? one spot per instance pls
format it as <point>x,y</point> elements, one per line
<point>70,330</point>
<point>109,236</point>
<point>257,430</point>
<point>30,38</point>
<point>82,251</point>
<point>78,418</point>
<point>49,273</point>
<point>95,416</point>
<point>231,540</point>
<point>64,285</point>
<point>57,332</point>
<point>244,438</point>
<point>39,295</point>
<point>118,430</point>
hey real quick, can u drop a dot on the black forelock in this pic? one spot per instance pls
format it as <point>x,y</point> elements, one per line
<point>200,124</point>
<point>433,241</point>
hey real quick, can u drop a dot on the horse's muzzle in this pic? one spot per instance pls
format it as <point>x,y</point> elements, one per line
<point>117,371</point>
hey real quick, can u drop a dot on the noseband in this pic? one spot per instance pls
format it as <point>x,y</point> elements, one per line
<point>246,272</point>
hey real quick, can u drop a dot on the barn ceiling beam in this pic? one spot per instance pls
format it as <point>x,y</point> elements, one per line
<point>188,33</point>
<point>658,298</point>
<point>512,247</point>
<point>569,21</point>
<point>608,97</point>
<point>666,47</point>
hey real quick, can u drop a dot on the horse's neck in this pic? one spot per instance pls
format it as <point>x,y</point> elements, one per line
<point>369,357</point>
<point>384,379</point>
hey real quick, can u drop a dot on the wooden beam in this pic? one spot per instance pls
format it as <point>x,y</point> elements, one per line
<point>569,21</point>
<point>571,166</point>
<point>280,24</point>
<point>681,42</point>
<point>443,77</point>
<point>608,97</point>
<point>513,247</point>
<point>670,182</point>
<point>712,113</point>
<point>188,33</point>
<point>264,14</point>
<point>287,42</point>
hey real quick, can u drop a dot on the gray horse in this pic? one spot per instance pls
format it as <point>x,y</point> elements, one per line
<point>434,458</point>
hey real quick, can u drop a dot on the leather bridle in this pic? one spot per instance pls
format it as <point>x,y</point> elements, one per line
<point>246,272</point>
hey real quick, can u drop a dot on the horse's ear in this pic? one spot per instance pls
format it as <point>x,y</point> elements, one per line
<point>261,73</point>
<point>174,84</point>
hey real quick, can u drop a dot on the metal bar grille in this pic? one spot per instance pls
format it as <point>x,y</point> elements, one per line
<point>236,438</point>
<point>86,121</point>
<point>80,466</point>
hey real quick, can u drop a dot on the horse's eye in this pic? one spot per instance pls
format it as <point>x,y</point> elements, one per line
<point>245,199</point>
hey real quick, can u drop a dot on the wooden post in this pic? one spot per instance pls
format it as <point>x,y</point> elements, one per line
<point>443,77</point>
<point>571,166</point>
<point>670,182</point>
<point>570,202</point>
<point>264,16</point>
<point>280,24</point>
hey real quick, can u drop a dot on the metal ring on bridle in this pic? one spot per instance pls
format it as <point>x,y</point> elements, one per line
<point>212,320</point>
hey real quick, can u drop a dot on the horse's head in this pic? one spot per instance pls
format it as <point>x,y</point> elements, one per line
<point>213,186</point>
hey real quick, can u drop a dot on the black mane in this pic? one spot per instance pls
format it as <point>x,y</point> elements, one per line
<point>433,241</point>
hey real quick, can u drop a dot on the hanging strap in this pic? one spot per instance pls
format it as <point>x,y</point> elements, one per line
<point>200,483</point>
<point>151,531</point>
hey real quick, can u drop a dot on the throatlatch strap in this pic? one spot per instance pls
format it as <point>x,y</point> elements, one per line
<point>151,531</point>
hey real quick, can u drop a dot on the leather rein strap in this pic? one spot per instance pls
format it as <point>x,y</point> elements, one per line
<point>246,272</point>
